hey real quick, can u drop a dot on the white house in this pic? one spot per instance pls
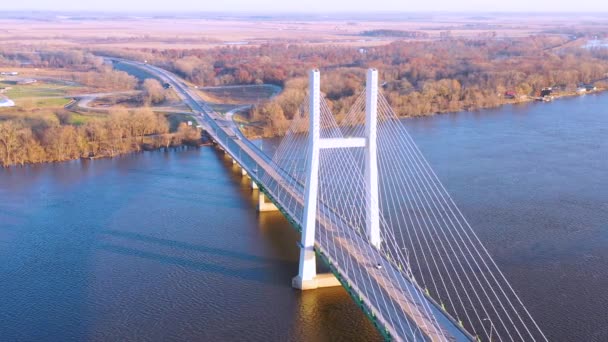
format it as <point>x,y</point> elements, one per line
<point>6,102</point>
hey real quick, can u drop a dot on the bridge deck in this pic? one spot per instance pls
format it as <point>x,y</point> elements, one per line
<point>398,304</point>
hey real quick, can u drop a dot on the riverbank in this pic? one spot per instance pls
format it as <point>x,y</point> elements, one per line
<point>24,142</point>
<point>145,147</point>
<point>518,100</point>
<point>559,95</point>
<point>527,99</point>
<point>255,130</point>
<point>165,244</point>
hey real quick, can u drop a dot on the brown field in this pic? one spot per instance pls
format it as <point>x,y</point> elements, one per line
<point>443,63</point>
<point>239,95</point>
<point>49,76</point>
<point>188,33</point>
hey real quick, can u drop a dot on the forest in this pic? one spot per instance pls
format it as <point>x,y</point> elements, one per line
<point>418,77</point>
<point>28,135</point>
<point>123,131</point>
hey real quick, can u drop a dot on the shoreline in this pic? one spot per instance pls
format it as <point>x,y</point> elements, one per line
<point>101,157</point>
<point>527,99</point>
<point>524,99</point>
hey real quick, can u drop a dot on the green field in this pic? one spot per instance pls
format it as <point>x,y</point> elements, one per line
<point>40,95</point>
<point>81,119</point>
<point>18,91</point>
<point>38,101</point>
<point>42,101</point>
<point>51,102</point>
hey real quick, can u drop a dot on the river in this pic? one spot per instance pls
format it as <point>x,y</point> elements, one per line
<point>167,245</point>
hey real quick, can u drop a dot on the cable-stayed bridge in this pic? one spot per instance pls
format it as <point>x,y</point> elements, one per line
<point>370,206</point>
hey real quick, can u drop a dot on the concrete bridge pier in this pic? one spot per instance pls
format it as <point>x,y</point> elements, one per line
<point>244,173</point>
<point>307,278</point>
<point>264,206</point>
<point>318,281</point>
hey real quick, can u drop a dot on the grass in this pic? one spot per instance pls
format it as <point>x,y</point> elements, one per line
<point>51,102</point>
<point>174,119</point>
<point>40,95</point>
<point>247,94</point>
<point>81,119</point>
<point>35,90</point>
<point>39,102</point>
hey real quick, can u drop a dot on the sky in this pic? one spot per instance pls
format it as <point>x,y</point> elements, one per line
<point>308,6</point>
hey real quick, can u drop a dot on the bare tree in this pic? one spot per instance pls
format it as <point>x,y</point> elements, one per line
<point>9,141</point>
<point>154,93</point>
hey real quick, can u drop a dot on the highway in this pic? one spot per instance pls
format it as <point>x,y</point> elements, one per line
<point>397,304</point>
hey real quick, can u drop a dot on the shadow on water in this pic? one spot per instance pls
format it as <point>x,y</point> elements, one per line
<point>192,247</point>
<point>254,273</point>
<point>160,245</point>
<point>98,250</point>
<point>273,225</point>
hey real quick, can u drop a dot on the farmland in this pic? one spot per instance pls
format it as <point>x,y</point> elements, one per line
<point>209,31</point>
<point>246,94</point>
<point>39,100</point>
<point>429,63</point>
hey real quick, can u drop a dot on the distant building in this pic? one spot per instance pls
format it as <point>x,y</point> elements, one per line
<point>9,73</point>
<point>590,87</point>
<point>587,86</point>
<point>4,102</point>
<point>546,92</point>
<point>510,94</point>
<point>27,81</point>
<point>581,90</point>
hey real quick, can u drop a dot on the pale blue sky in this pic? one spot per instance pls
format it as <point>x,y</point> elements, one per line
<point>309,5</point>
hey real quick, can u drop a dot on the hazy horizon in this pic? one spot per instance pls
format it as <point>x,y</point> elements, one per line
<point>311,6</point>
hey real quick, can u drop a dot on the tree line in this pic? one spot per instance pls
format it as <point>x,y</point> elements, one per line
<point>122,132</point>
<point>418,77</point>
<point>28,139</point>
<point>81,66</point>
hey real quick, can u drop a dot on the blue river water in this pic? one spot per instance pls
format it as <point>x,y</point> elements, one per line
<point>168,246</point>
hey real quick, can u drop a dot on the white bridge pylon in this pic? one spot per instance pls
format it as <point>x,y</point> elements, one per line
<point>307,272</point>
<point>453,290</point>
